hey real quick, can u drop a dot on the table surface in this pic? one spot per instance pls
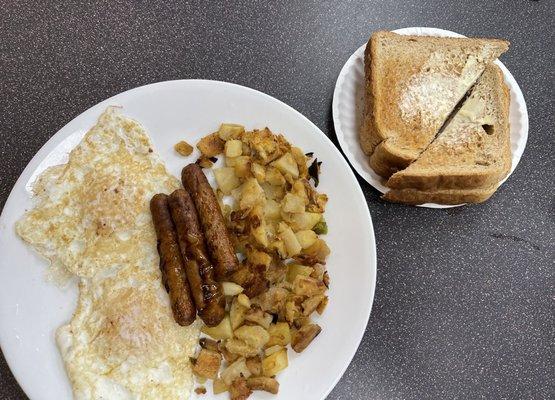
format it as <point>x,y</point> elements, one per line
<point>464,298</point>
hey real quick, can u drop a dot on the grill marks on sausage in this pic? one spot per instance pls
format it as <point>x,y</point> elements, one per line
<point>171,262</point>
<point>207,293</point>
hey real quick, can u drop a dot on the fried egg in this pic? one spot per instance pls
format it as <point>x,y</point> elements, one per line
<point>92,221</point>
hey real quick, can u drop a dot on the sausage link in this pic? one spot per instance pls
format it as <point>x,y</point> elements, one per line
<point>171,262</point>
<point>210,215</point>
<point>207,293</point>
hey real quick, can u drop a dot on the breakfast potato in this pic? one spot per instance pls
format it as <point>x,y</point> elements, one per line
<point>273,192</point>
<point>237,313</point>
<point>221,331</point>
<point>243,300</point>
<point>301,159</point>
<point>255,336</point>
<point>183,148</point>
<point>322,306</point>
<point>243,166</point>
<point>275,363</point>
<point>254,364</point>
<point>307,286</point>
<point>239,389</point>
<point>226,179</point>
<point>230,131</point>
<point>231,288</point>
<point>310,304</point>
<point>257,257</point>
<point>241,348</point>
<point>234,371</point>
<point>292,204</point>
<point>211,145</point>
<point>274,177</point>
<point>272,210</point>
<point>319,250</point>
<point>251,194</point>
<point>207,364</point>
<point>258,171</point>
<point>292,245</point>
<point>306,238</point>
<point>233,148</point>
<point>280,334</point>
<point>296,269</point>
<point>259,317</point>
<point>286,165</point>
<point>303,221</point>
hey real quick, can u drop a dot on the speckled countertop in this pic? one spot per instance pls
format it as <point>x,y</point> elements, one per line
<point>464,299</point>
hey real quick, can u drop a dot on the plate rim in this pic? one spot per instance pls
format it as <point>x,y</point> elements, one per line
<point>56,139</point>
<point>431,30</point>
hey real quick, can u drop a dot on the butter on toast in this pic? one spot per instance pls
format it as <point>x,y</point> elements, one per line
<point>473,151</point>
<point>413,83</point>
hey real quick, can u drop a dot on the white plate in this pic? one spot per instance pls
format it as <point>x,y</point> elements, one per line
<point>31,309</point>
<point>348,103</point>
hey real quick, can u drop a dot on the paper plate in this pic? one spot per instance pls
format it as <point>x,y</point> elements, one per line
<point>348,99</point>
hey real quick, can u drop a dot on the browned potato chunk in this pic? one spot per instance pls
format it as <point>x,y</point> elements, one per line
<point>280,334</point>
<point>254,336</point>
<point>254,364</point>
<point>263,383</point>
<point>208,344</point>
<point>207,364</point>
<point>211,145</point>
<point>307,286</point>
<point>310,304</point>
<point>304,336</point>
<point>322,306</point>
<point>275,363</point>
<point>259,317</point>
<point>183,148</point>
<point>230,131</point>
<point>234,371</point>
<point>240,347</point>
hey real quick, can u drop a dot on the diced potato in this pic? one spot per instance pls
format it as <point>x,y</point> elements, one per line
<point>279,246</point>
<point>319,250</point>
<point>237,313</point>
<point>234,371</point>
<point>322,306</point>
<point>244,301</point>
<point>259,317</point>
<point>297,269</point>
<point>220,331</point>
<point>273,192</point>
<point>207,364</point>
<point>292,311</point>
<point>280,334</point>
<point>211,145</point>
<point>287,165</point>
<point>275,363</point>
<point>255,336</point>
<point>240,347</point>
<point>259,172</point>
<point>231,288</point>
<point>310,304</point>
<point>272,210</point>
<point>204,162</point>
<point>231,161</point>
<point>258,230</point>
<point>257,257</point>
<point>272,349</point>
<point>274,177</point>
<point>233,148</point>
<point>306,238</point>
<point>230,131</point>
<point>226,179</point>
<point>301,161</point>
<point>243,166</point>
<point>307,286</point>
<point>251,195</point>
<point>292,245</point>
<point>183,148</point>
<point>254,364</point>
<point>293,204</point>
<point>219,386</point>
<point>304,221</point>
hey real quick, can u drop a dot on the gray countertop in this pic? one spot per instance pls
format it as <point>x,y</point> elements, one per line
<point>464,298</point>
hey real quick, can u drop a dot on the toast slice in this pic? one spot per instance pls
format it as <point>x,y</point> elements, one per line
<point>473,151</point>
<point>442,196</point>
<point>413,83</point>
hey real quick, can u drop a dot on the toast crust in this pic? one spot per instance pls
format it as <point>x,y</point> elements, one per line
<point>447,196</point>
